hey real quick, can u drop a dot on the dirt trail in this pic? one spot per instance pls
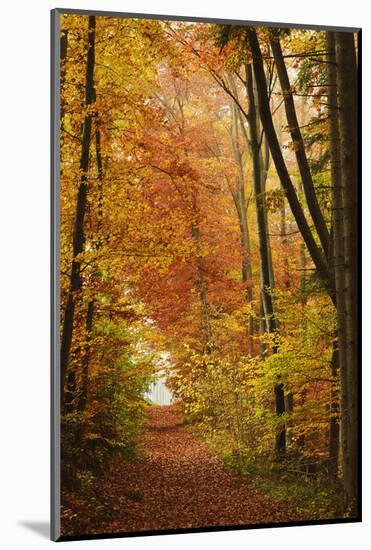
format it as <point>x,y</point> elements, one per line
<point>181,485</point>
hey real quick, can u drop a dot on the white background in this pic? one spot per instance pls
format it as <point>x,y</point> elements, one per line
<point>24,253</point>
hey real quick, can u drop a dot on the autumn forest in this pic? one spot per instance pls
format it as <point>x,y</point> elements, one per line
<point>208,247</point>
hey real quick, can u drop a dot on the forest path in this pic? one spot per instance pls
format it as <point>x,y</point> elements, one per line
<point>180,484</point>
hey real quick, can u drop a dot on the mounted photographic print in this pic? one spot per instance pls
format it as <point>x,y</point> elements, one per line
<point>205,303</point>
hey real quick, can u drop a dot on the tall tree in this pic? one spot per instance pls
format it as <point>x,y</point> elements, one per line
<point>339,356</point>
<point>78,233</point>
<point>348,130</point>
<point>263,250</point>
<point>83,397</point>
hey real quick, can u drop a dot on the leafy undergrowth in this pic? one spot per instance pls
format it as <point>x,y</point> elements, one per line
<point>314,497</point>
<point>179,484</point>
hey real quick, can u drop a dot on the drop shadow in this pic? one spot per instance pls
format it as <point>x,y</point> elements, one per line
<point>42,528</point>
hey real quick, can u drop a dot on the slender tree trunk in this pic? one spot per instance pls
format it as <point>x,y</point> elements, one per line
<point>264,166</point>
<point>260,206</point>
<point>78,234</point>
<point>289,397</point>
<point>299,147</point>
<point>83,399</point>
<point>63,50</point>
<point>246,266</point>
<point>339,361</point>
<point>347,102</point>
<point>240,203</point>
<point>85,363</point>
<point>262,327</point>
<point>264,254</point>
<point>334,430</point>
<point>281,168</point>
<point>283,227</point>
<point>303,258</point>
<point>284,242</point>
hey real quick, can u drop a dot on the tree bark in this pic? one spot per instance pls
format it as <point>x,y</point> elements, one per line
<point>78,234</point>
<point>262,326</point>
<point>83,398</point>
<point>347,102</point>
<point>63,50</point>
<point>263,250</point>
<point>334,430</point>
<point>339,361</point>
<point>264,166</point>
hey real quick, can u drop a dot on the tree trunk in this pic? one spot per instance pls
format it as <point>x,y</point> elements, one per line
<point>263,250</point>
<point>78,234</point>
<point>264,166</point>
<point>63,50</point>
<point>299,148</point>
<point>240,203</point>
<point>262,327</point>
<point>334,431</point>
<point>266,118</point>
<point>283,227</point>
<point>83,398</point>
<point>347,102</point>
<point>339,361</point>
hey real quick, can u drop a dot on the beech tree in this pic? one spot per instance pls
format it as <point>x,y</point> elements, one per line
<point>346,258</point>
<point>78,232</point>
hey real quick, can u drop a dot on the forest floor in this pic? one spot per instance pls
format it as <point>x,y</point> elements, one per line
<point>179,485</point>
